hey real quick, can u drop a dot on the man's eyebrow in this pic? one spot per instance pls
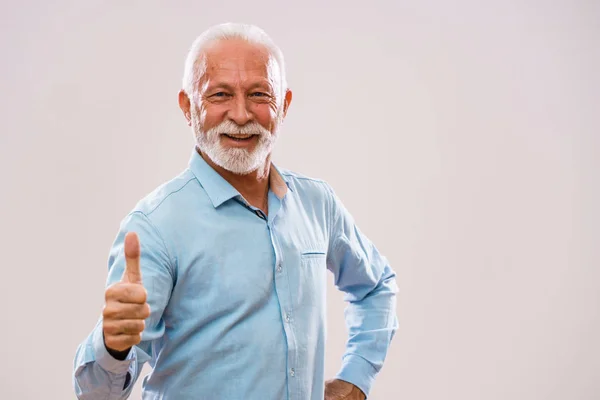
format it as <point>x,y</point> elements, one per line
<point>260,84</point>
<point>221,85</point>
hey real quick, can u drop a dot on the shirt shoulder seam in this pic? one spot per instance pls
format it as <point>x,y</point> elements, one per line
<point>167,196</point>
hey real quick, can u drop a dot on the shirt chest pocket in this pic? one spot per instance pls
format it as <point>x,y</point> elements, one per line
<point>313,250</point>
<point>313,275</point>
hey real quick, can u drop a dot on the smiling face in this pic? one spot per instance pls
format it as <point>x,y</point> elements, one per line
<point>238,105</point>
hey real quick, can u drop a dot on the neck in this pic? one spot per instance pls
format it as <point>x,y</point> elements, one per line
<point>254,187</point>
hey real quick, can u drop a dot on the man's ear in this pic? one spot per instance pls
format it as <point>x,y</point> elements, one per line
<point>185,105</point>
<point>286,101</point>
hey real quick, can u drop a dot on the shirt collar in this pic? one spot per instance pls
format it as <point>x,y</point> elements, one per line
<point>219,190</point>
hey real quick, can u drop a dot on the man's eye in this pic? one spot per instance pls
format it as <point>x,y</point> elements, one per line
<point>219,94</point>
<point>259,94</point>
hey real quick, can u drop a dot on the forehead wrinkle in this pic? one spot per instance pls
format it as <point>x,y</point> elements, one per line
<point>250,62</point>
<point>230,75</point>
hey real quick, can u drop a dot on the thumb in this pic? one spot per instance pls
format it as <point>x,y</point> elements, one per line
<point>133,273</point>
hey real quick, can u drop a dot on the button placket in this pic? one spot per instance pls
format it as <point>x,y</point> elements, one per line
<point>283,295</point>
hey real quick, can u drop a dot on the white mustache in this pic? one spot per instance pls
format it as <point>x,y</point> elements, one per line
<point>229,127</point>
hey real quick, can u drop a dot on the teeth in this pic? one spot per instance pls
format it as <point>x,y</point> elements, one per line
<point>240,136</point>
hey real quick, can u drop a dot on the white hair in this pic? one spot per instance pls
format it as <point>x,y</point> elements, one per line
<point>195,66</point>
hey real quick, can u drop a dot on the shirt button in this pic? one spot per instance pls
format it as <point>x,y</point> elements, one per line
<point>287,319</point>
<point>292,372</point>
<point>279,267</point>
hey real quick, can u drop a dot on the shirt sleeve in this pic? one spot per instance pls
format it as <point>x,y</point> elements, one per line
<point>369,284</point>
<point>97,374</point>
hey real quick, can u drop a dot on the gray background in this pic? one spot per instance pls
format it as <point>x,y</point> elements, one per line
<point>462,135</point>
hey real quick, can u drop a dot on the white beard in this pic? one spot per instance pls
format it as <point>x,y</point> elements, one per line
<point>237,160</point>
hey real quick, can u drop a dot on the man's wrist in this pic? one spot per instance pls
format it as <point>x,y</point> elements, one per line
<point>118,355</point>
<point>341,389</point>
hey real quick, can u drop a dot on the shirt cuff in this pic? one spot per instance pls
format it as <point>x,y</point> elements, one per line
<point>358,372</point>
<point>105,360</point>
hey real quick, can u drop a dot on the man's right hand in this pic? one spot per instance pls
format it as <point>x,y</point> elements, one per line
<point>125,307</point>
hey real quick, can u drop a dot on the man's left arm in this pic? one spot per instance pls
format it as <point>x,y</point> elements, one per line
<point>369,284</point>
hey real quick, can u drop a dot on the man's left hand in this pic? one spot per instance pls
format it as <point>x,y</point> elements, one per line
<point>337,389</point>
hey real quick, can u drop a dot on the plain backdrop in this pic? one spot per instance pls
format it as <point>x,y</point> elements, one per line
<point>462,135</point>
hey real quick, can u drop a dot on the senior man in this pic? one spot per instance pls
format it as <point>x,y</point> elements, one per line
<point>218,277</point>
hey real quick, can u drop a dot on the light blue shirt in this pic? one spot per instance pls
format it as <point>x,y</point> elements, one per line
<point>237,298</point>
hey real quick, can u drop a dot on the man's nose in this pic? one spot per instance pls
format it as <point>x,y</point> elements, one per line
<point>239,112</point>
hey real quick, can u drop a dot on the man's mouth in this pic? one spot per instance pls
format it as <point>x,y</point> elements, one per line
<point>239,138</point>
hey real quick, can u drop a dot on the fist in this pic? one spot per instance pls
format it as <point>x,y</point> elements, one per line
<point>125,307</point>
<point>336,389</point>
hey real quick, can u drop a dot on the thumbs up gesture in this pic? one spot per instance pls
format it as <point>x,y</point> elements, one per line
<point>125,307</point>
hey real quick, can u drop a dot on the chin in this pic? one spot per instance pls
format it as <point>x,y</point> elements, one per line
<point>238,161</point>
